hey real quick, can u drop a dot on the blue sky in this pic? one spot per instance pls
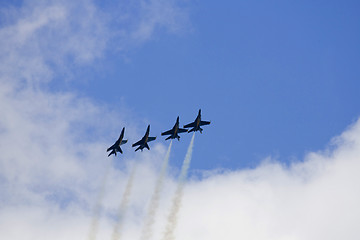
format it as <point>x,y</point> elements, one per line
<point>278,80</point>
<point>275,78</point>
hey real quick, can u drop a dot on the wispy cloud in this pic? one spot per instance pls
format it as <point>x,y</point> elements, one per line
<point>52,143</point>
<point>44,36</point>
<point>159,14</point>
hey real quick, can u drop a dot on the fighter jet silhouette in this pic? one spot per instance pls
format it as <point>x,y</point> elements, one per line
<point>174,131</point>
<point>143,143</point>
<point>195,126</point>
<point>116,147</point>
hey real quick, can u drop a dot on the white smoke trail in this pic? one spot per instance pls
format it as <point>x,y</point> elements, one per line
<point>154,202</point>
<point>98,206</point>
<point>172,219</point>
<point>123,205</point>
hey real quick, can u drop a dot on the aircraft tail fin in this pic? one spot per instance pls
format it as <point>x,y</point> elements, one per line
<point>119,149</point>
<point>112,152</point>
<point>191,130</point>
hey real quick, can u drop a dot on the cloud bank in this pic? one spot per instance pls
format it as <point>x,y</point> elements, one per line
<point>53,158</point>
<point>312,199</point>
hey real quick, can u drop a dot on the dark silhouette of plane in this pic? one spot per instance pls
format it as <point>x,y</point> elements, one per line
<point>174,131</point>
<point>116,146</point>
<point>195,126</point>
<point>143,143</point>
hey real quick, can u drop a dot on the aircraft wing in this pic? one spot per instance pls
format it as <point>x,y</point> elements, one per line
<point>181,130</point>
<point>151,139</point>
<point>190,125</point>
<point>204,123</point>
<point>167,132</point>
<point>138,143</point>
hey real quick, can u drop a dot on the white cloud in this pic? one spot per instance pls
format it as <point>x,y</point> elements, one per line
<point>44,36</point>
<point>53,145</point>
<point>159,13</point>
<point>50,172</point>
<point>314,199</point>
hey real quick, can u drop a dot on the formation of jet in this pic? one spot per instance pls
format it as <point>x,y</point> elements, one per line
<point>116,146</point>
<point>195,126</point>
<point>143,142</point>
<point>174,133</point>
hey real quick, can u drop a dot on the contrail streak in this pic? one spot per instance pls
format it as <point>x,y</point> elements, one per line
<point>172,219</point>
<point>123,205</point>
<point>98,206</point>
<point>154,202</point>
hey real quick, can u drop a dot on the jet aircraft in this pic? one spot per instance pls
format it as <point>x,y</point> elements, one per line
<point>116,146</point>
<point>174,131</point>
<point>195,126</point>
<point>143,143</point>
